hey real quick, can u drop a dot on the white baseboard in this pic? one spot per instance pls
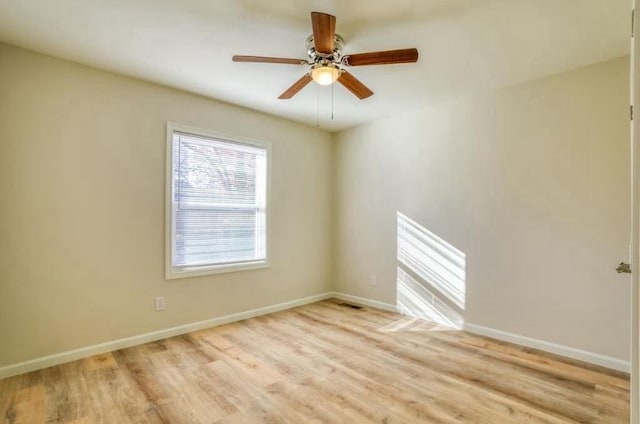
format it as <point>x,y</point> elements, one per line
<point>84,352</point>
<point>569,352</point>
<point>365,301</point>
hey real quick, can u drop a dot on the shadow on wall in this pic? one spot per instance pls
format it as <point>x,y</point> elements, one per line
<point>431,275</point>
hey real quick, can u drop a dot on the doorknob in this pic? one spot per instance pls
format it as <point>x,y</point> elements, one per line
<point>623,268</point>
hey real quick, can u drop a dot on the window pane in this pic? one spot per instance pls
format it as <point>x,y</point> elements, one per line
<point>214,172</point>
<point>215,236</point>
<point>219,196</point>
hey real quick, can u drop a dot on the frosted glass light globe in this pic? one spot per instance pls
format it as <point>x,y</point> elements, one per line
<point>325,75</point>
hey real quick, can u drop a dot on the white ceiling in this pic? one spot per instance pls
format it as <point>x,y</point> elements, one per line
<point>464,45</point>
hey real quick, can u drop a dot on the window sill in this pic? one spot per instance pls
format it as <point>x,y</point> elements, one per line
<point>187,272</point>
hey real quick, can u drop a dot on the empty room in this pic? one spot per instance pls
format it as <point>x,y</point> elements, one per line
<point>347,211</point>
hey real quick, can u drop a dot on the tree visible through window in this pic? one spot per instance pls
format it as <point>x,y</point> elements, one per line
<point>218,203</point>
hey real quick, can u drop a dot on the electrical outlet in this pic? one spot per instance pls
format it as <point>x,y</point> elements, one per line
<point>374,280</point>
<point>160,303</point>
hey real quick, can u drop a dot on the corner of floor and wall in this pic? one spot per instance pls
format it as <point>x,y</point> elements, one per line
<point>503,212</point>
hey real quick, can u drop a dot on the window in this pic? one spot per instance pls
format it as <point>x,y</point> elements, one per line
<point>216,203</point>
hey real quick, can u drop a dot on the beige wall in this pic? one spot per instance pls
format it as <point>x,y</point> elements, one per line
<point>82,167</point>
<point>530,182</point>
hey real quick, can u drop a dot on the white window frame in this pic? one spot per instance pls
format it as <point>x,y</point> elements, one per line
<point>172,272</point>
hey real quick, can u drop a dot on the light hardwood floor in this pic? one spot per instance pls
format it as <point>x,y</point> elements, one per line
<point>320,363</point>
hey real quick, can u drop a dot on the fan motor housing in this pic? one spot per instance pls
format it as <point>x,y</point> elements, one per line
<point>338,44</point>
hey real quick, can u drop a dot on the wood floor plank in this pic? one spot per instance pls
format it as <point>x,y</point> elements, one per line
<point>320,363</point>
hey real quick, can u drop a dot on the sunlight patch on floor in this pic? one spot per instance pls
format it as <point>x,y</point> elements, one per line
<point>416,325</point>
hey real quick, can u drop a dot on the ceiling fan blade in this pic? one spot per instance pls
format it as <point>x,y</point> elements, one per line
<point>382,58</point>
<point>297,86</point>
<point>324,31</point>
<point>265,59</point>
<point>354,85</point>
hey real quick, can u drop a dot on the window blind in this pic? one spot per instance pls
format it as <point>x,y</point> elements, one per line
<point>219,202</point>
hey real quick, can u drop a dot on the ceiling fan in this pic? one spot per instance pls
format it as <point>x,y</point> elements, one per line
<point>327,62</point>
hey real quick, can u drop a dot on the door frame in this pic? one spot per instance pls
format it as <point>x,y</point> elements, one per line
<point>635,218</point>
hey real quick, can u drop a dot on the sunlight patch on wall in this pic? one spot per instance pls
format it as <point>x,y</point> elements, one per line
<point>415,300</point>
<point>431,258</point>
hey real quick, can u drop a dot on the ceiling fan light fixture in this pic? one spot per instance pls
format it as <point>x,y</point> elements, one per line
<point>325,74</point>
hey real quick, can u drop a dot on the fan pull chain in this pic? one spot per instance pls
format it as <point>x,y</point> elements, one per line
<point>332,101</point>
<point>317,107</point>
